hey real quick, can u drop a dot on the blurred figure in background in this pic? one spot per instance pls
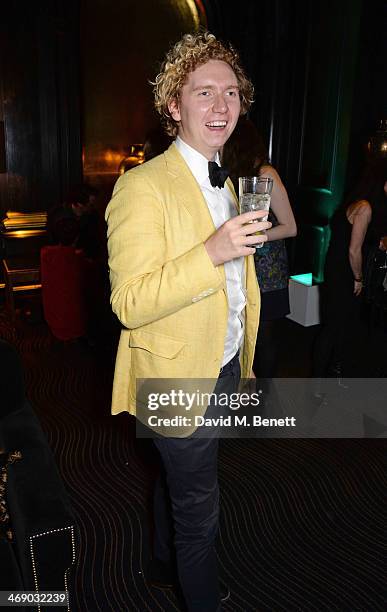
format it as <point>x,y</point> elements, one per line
<point>245,154</point>
<point>358,227</point>
<point>77,223</point>
<point>79,207</point>
<point>63,270</point>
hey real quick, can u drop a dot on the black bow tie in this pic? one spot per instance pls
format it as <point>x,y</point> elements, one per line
<point>217,174</point>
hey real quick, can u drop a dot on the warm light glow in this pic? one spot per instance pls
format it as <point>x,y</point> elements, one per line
<point>202,12</point>
<point>112,157</point>
<point>135,158</point>
<point>27,287</point>
<point>133,161</point>
<point>26,233</point>
<point>194,12</point>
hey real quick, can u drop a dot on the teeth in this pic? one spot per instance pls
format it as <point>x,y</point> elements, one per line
<point>217,123</point>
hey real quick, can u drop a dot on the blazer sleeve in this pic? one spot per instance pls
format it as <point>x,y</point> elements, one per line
<point>145,285</point>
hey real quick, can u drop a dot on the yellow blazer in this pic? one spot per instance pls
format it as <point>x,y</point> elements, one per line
<point>166,292</point>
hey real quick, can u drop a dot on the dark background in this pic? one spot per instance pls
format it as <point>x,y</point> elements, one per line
<point>74,94</point>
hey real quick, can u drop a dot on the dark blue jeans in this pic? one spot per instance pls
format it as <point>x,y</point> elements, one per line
<point>188,489</point>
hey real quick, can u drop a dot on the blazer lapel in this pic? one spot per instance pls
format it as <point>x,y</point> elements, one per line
<point>188,193</point>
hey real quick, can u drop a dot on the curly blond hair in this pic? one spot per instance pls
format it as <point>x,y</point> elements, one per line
<point>191,51</point>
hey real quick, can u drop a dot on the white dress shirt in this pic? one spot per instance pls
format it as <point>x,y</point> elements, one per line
<point>221,204</point>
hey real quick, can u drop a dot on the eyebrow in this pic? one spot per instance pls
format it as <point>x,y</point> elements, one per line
<point>213,87</point>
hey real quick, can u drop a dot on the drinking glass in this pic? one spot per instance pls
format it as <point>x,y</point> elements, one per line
<point>254,194</point>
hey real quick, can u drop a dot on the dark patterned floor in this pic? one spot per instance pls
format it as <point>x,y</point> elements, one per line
<point>301,529</point>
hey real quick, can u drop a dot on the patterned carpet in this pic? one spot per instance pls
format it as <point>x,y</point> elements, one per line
<point>301,529</point>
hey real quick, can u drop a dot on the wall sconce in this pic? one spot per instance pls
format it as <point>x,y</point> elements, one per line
<point>134,158</point>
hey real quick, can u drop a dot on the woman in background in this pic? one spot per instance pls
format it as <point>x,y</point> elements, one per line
<point>357,229</point>
<point>245,154</point>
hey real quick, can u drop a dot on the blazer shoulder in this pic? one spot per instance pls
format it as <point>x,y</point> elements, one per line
<point>153,166</point>
<point>151,172</point>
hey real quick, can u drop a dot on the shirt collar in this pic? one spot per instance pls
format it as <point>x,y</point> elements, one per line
<point>197,163</point>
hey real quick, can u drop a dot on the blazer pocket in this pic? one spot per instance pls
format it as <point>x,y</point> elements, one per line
<point>157,344</point>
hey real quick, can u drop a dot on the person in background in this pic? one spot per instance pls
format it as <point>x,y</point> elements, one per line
<point>79,207</point>
<point>78,219</point>
<point>244,154</point>
<point>357,229</point>
<point>63,270</point>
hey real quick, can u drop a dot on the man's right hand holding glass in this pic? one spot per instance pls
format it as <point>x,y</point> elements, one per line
<point>237,237</point>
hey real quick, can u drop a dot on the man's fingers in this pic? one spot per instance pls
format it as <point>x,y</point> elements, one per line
<point>247,251</point>
<point>234,239</point>
<point>255,239</point>
<point>250,216</point>
<point>252,228</point>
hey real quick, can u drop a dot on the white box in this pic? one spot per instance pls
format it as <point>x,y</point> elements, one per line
<point>304,303</point>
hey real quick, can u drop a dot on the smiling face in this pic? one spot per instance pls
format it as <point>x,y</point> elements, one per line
<point>208,107</point>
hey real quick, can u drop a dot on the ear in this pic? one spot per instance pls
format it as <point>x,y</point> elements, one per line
<point>174,110</point>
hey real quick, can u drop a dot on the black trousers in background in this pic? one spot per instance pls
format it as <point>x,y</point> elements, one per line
<point>338,339</point>
<point>267,349</point>
<point>189,489</point>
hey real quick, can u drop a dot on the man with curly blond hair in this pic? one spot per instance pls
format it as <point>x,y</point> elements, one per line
<point>185,289</point>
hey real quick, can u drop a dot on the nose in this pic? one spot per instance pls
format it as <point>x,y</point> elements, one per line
<point>220,104</point>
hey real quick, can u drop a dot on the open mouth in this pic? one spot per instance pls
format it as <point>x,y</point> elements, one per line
<point>216,125</point>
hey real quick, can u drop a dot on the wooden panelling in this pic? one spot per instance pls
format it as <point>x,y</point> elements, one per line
<point>40,103</point>
<point>3,157</point>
